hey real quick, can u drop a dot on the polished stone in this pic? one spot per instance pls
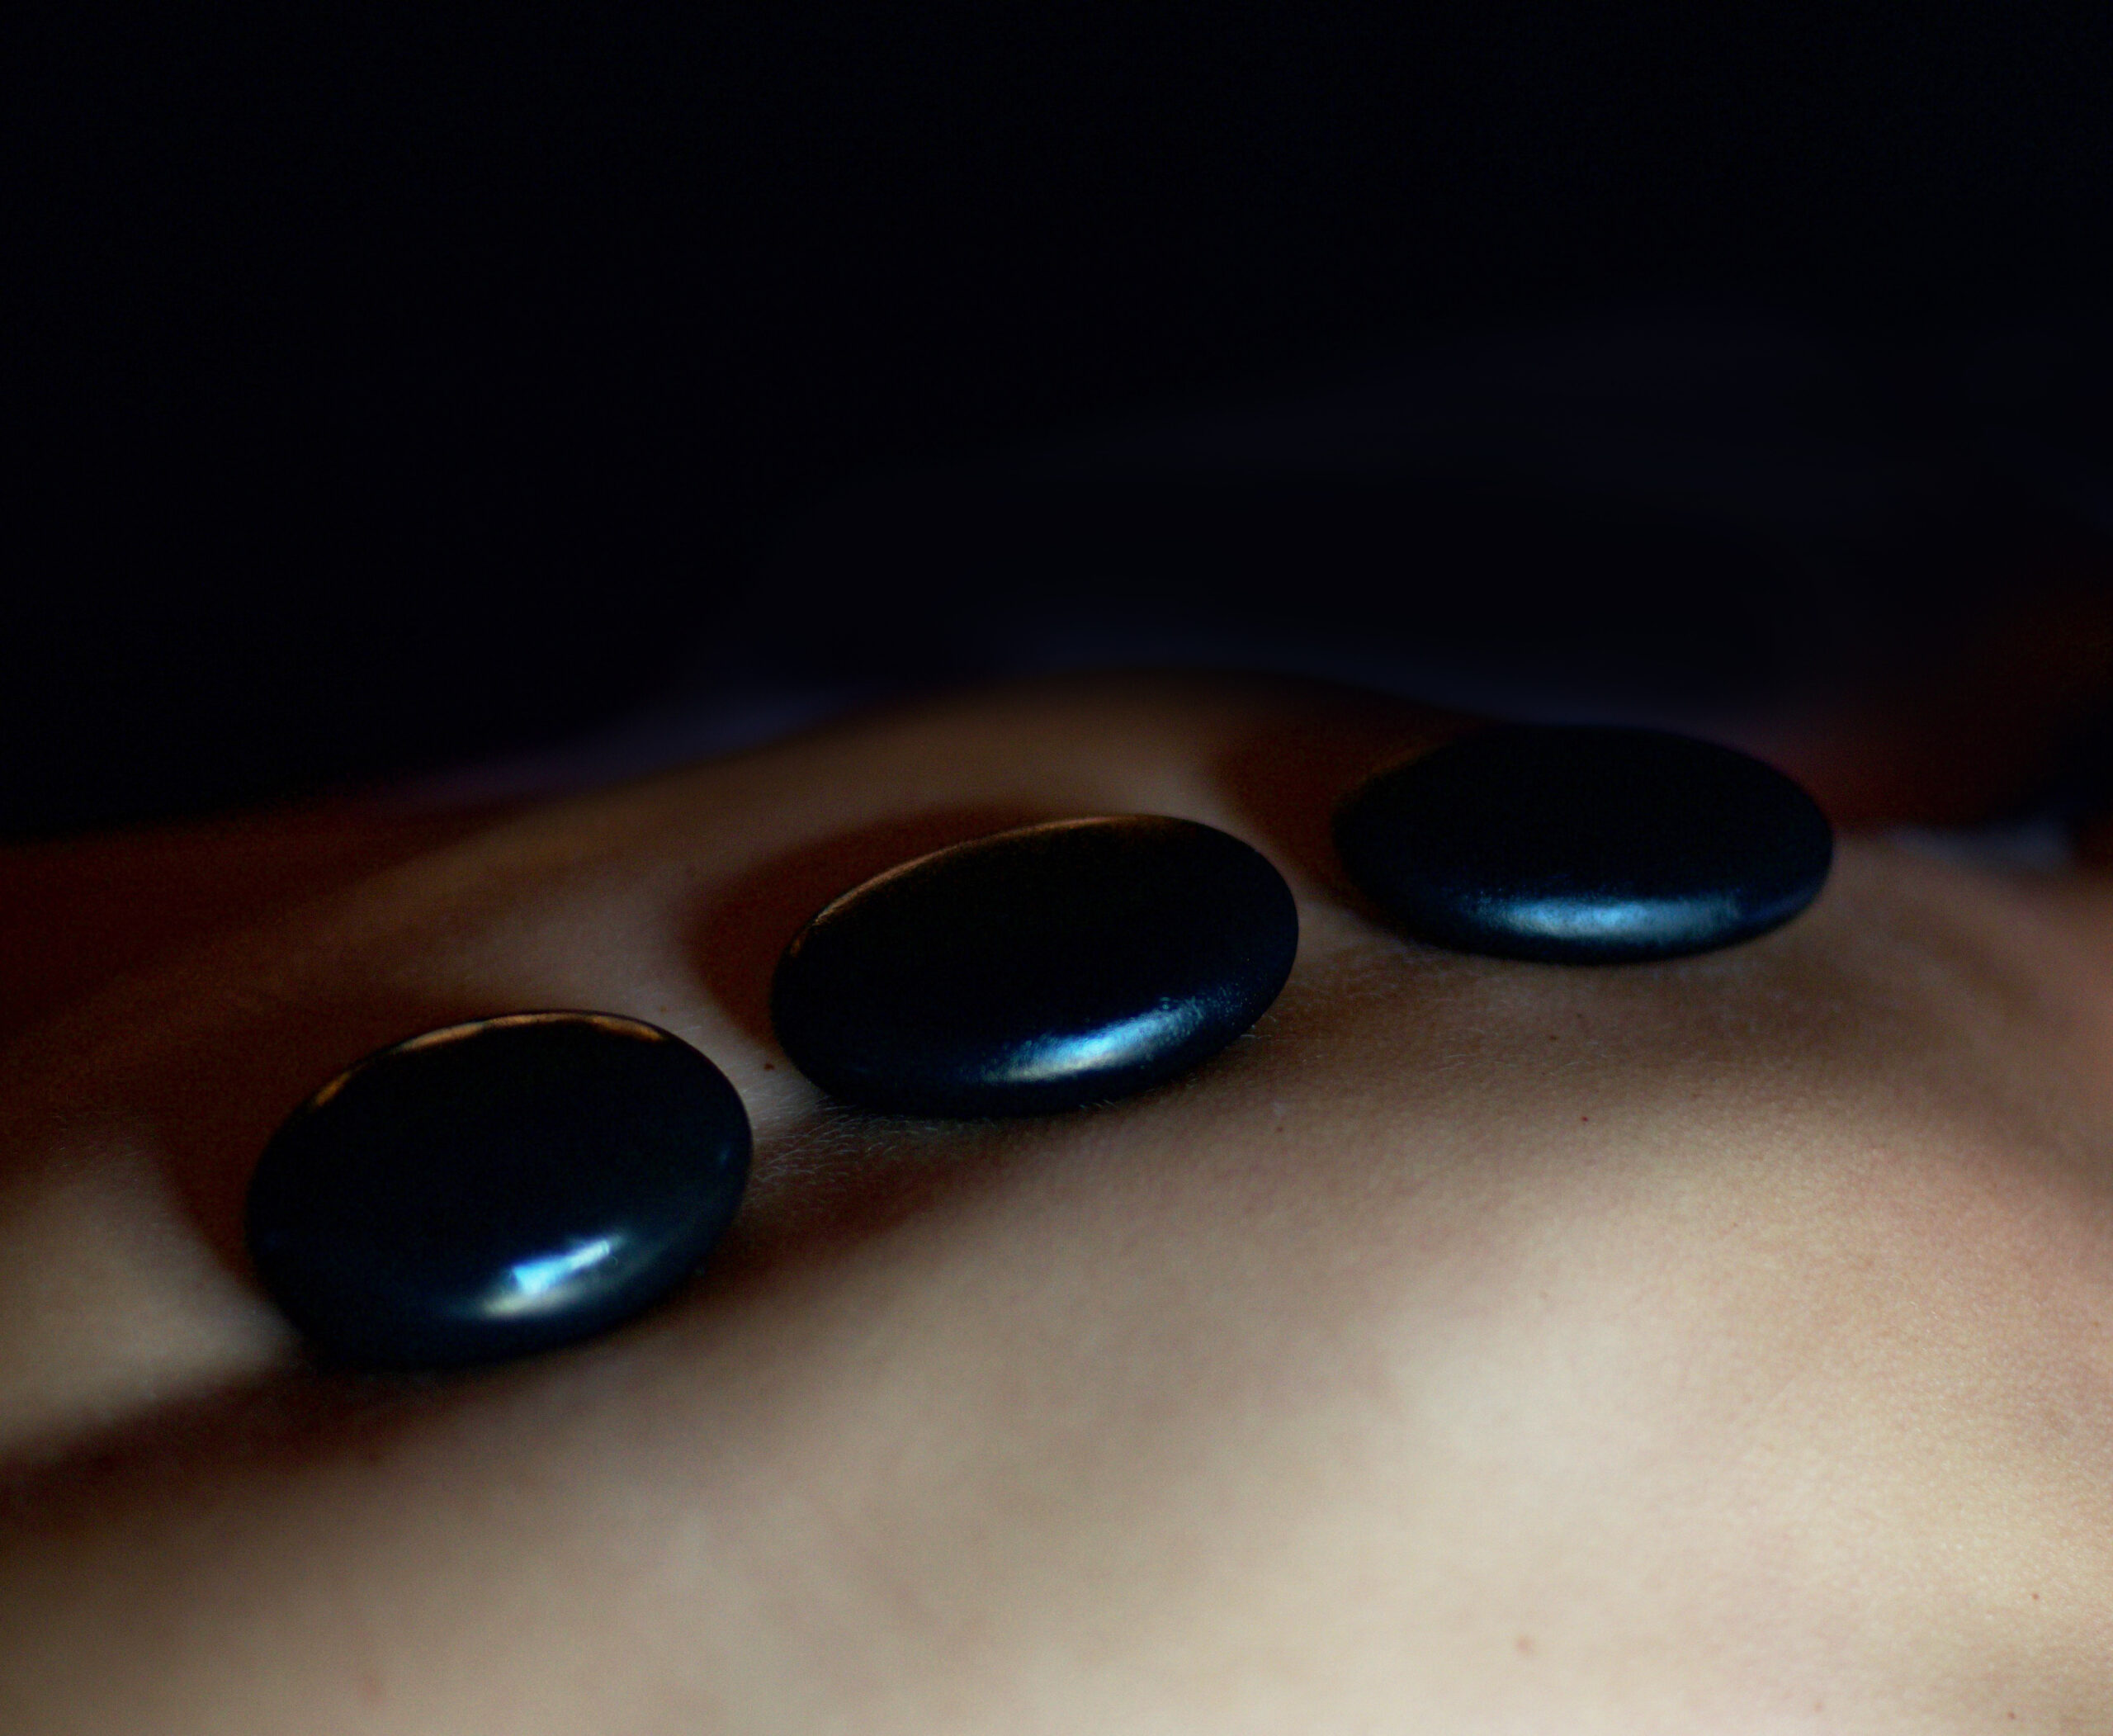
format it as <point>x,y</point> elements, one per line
<point>1037,969</point>
<point>496,1188</point>
<point>1584,844</point>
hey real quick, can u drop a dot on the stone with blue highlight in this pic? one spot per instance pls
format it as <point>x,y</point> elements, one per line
<point>1584,844</point>
<point>1037,969</point>
<point>496,1188</point>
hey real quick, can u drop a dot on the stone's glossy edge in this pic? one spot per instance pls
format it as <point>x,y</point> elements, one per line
<point>1662,929</point>
<point>876,1092</point>
<point>394,1345</point>
<point>1669,929</point>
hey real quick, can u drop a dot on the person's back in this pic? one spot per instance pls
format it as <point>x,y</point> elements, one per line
<point>1716,1345</point>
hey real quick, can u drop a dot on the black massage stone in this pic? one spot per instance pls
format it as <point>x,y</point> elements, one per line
<point>1584,844</point>
<point>497,1188</point>
<point>1037,969</point>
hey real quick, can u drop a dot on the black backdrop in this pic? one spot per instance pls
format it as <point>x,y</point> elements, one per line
<point>388,387</point>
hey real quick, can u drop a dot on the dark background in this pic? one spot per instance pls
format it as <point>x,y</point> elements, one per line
<point>389,388</point>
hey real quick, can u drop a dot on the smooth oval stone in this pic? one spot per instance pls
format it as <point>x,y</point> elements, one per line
<point>1584,844</point>
<point>496,1188</point>
<point>1037,969</point>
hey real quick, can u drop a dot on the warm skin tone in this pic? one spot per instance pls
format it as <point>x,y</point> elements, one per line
<point>1476,1346</point>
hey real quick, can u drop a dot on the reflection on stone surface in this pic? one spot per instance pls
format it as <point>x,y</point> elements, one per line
<point>496,1188</point>
<point>1584,844</point>
<point>1037,969</point>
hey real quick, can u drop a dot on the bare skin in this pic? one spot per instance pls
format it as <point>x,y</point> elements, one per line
<point>1475,1346</point>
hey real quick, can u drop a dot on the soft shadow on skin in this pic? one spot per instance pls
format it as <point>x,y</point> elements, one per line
<point>1288,776</point>
<point>836,1182</point>
<point>818,1189</point>
<point>214,1098</point>
<point>738,938</point>
<point>281,1418</point>
<point>204,1095</point>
